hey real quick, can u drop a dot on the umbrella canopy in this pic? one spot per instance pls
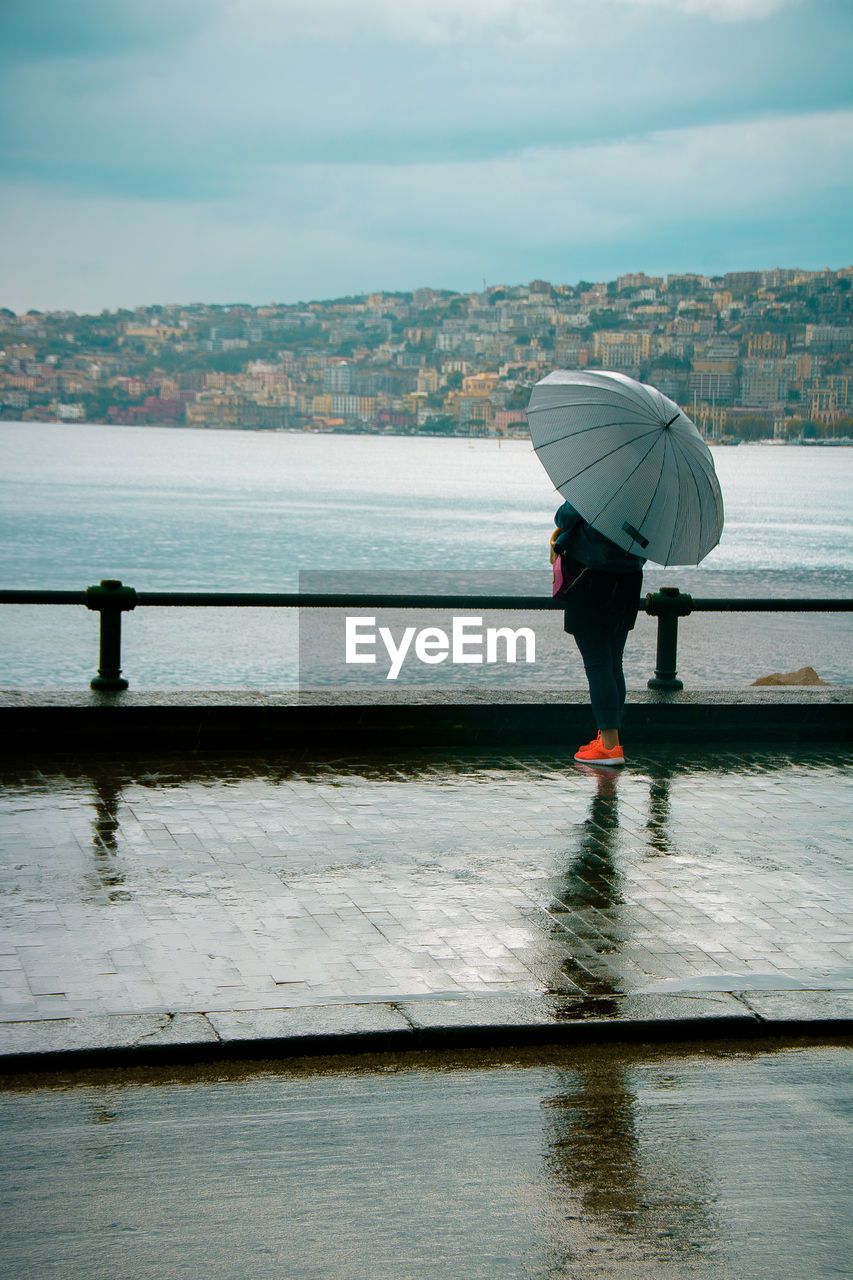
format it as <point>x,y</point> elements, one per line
<point>628,459</point>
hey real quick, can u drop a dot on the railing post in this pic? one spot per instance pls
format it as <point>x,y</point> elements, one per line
<point>668,605</point>
<point>110,599</point>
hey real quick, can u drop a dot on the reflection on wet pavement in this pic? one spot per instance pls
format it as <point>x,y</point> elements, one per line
<point>586,902</point>
<point>106,827</point>
<point>220,884</point>
<point>588,1164</point>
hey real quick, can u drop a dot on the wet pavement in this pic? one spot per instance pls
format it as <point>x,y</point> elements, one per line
<point>588,1163</point>
<point>215,901</point>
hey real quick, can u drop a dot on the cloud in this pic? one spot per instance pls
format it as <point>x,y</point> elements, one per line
<point>256,84</point>
<point>711,198</point>
<point>424,21</point>
<point>593,194</point>
<point>258,148</point>
<point>38,31</point>
<point>446,21</point>
<point>716,173</point>
<point>721,10</point>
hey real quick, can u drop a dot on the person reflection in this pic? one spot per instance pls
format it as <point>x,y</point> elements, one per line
<point>622,1185</point>
<point>106,797</point>
<point>586,898</point>
<point>659,809</point>
<point>618,1194</point>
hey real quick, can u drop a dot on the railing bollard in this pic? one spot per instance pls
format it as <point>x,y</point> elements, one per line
<point>110,599</point>
<point>667,605</point>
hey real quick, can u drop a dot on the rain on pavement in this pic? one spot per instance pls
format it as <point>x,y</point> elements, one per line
<point>207,884</point>
<point>278,882</point>
<point>729,1163</point>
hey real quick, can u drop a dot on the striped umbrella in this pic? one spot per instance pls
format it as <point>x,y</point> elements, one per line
<point>630,461</point>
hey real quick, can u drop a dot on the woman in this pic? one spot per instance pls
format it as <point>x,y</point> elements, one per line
<point>601,603</point>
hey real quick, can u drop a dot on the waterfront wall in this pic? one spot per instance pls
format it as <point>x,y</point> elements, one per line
<point>173,721</point>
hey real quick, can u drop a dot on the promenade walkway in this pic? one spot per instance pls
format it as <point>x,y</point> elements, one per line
<point>207,905</point>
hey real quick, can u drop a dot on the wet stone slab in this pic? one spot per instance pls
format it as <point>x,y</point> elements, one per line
<point>803,1008</point>
<point>548,1016</point>
<point>517,1012</point>
<point>674,1010</point>
<point>119,1031</point>
<point>377,1026</point>
<point>239,886</point>
<point>330,1023</point>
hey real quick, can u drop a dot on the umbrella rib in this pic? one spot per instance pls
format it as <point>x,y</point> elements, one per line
<point>702,509</point>
<point>675,521</point>
<point>596,461</point>
<point>635,408</point>
<point>613,496</point>
<point>598,426</point>
<point>689,470</point>
<point>657,486</point>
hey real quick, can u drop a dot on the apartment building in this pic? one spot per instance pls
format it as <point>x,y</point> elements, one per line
<point>765,382</point>
<point>337,379</point>
<point>620,349</point>
<point>713,385</point>
<point>767,344</point>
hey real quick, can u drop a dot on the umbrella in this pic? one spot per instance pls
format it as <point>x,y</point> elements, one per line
<point>628,459</point>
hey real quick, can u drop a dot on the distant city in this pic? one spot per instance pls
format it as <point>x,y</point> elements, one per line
<point>750,355</point>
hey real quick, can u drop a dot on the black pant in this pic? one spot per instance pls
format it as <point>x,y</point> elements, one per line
<point>601,648</point>
<point>601,608</point>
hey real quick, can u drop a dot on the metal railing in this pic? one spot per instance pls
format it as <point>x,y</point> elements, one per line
<point>111,598</point>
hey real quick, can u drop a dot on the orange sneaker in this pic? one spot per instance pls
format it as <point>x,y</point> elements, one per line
<point>595,753</point>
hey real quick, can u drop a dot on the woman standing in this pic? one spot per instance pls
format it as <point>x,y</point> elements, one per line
<point>602,597</point>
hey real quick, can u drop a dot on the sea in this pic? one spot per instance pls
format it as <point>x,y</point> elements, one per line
<point>178,509</point>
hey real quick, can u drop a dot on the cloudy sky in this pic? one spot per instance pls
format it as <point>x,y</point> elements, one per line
<point>259,150</point>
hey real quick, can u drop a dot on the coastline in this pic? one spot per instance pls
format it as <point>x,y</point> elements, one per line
<point>412,433</point>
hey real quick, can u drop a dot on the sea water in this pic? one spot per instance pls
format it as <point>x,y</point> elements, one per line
<point>187,510</point>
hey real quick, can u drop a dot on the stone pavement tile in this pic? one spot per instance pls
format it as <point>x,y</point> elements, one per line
<point>519,877</point>
<point>641,1010</point>
<point>826,1008</point>
<point>505,1015</point>
<point>485,1011</point>
<point>356,1020</point>
<point>119,1031</point>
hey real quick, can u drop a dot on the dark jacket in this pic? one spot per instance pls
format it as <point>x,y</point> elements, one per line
<point>579,540</point>
<point>607,581</point>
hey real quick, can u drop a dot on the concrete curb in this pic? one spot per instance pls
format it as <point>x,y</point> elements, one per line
<point>417,1024</point>
<point>408,719</point>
